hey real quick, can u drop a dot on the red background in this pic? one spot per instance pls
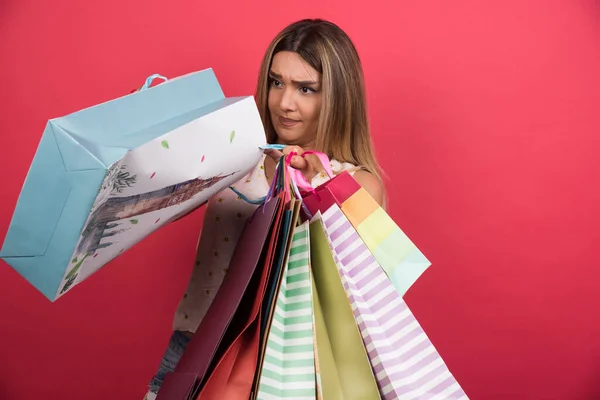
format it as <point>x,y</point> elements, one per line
<point>485,116</point>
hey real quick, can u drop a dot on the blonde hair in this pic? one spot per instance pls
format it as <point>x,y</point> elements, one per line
<point>343,131</point>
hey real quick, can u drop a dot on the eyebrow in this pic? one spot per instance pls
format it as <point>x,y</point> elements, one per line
<point>300,83</point>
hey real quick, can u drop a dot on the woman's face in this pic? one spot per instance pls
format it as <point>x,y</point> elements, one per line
<point>294,99</point>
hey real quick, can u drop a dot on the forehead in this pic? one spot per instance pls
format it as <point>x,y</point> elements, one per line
<point>289,65</point>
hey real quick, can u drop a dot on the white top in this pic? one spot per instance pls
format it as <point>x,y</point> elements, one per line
<point>224,220</point>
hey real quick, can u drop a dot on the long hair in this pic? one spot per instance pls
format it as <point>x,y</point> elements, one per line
<point>343,130</point>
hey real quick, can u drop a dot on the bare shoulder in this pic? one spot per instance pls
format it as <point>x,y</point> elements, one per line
<point>372,185</point>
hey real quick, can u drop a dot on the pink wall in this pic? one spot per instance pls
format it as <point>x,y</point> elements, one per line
<point>485,115</point>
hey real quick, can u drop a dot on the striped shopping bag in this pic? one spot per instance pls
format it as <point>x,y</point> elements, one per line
<point>288,369</point>
<point>405,362</point>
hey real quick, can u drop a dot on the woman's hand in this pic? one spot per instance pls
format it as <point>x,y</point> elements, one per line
<point>309,165</point>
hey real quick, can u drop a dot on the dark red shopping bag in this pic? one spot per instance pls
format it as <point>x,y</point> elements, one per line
<point>233,375</point>
<point>203,350</point>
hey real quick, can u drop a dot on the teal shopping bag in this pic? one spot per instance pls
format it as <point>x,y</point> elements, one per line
<point>288,369</point>
<point>105,177</point>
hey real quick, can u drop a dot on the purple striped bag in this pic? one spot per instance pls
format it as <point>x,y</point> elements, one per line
<point>405,362</point>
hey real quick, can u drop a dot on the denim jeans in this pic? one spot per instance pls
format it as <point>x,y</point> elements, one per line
<point>177,345</point>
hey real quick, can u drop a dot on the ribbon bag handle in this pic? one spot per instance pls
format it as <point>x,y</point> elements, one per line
<point>150,79</point>
<point>286,177</point>
<point>296,175</point>
<point>299,177</point>
<point>322,156</point>
<point>148,82</point>
<point>324,160</point>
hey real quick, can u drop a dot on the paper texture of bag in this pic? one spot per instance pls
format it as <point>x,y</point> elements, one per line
<point>199,354</point>
<point>345,370</point>
<point>105,177</point>
<point>233,376</point>
<point>405,362</point>
<point>402,261</point>
<point>288,371</point>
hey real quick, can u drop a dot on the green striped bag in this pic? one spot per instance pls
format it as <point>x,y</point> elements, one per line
<point>288,370</point>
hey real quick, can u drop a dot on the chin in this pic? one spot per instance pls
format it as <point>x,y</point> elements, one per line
<point>288,137</point>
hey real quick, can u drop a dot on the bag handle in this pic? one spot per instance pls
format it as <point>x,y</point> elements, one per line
<point>297,175</point>
<point>281,181</point>
<point>286,176</point>
<point>150,79</point>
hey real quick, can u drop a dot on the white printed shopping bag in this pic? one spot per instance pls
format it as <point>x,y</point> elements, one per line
<point>105,177</point>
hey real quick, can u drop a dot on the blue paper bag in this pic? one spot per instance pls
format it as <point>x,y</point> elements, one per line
<point>105,177</point>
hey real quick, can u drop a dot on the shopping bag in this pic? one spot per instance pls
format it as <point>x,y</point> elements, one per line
<point>345,370</point>
<point>273,288</point>
<point>221,359</point>
<point>405,362</point>
<point>288,368</point>
<point>402,261</point>
<point>105,177</point>
<point>184,383</point>
<point>233,375</point>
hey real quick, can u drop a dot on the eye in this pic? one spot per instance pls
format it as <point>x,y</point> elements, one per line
<point>276,83</point>
<point>307,90</point>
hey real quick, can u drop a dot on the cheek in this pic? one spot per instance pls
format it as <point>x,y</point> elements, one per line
<point>311,108</point>
<point>272,101</point>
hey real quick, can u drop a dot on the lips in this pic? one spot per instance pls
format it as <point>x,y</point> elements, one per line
<point>288,122</point>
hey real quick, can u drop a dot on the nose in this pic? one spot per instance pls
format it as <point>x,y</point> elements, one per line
<point>287,101</point>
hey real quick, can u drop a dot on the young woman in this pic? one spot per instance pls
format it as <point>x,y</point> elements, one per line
<point>311,96</point>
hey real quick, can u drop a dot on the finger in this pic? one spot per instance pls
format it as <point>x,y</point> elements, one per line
<point>299,162</point>
<point>274,154</point>
<point>314,162</point>
<point>296,149</point>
